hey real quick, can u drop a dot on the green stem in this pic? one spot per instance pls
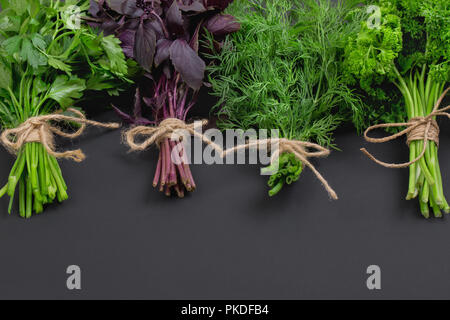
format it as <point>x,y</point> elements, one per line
<point>58,169</point>
<point>276,188</point>
<point>425,192</point>
<point>412,193</point>
<point>436,210</point>
<point>29,200</point>
<point>3,191</point>
<point>61,188</point>
<point>16,173</point>
<point>42,176</point>
<point>424,209</point>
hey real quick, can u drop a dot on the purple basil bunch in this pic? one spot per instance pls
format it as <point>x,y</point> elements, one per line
<point>164,33</point>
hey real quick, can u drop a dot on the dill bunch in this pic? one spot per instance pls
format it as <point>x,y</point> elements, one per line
<point>282,71</point>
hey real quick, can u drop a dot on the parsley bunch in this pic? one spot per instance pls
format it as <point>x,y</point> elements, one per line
<point>401,65</point>
<point>282,71</point>
<point>47,61</point>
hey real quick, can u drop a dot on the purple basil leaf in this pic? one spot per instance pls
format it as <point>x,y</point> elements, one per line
<point>218,4</point>
<point>175,19</point>
<point>149,76</point>
<point>156,26</point>
<point>94,25</point>
<point>195,6</point>
<point>125,117</point>
<point>132,24</point>
<point>94,7</point>
<point>162,51</point>
<point>137,105</point>
<point>158,8</point>
<point>194,41</point>
<point>109,27</point>
<point>143,122</point>
<point>187,63</point>
<point>167,72</point>
<point>126,7</point>
<point>222,24</point>
<point>148,101</point>
<point>127,38</point>
<point>145,46</point>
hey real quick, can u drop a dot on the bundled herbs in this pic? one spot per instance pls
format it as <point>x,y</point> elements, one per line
<point>401,64</point>
<point>281,71</point>
<point>163,37</point>
<point>47,61</point>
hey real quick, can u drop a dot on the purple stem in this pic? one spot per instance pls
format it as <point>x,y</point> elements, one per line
<point>167,192</point>
<point>179,190</point>
<point>163,163</point>
<point>171,108</point>
<point>158,171</point>
<point>163,26</point>
<point>183,104</point>
<point>168,160</point>
<point>179,164</point>
<point>190,177</point>
<point>175,87</point>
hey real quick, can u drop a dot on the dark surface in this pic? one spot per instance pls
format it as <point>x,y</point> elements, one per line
<point>228,240</point>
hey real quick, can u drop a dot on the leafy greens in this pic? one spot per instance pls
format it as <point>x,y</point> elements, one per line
<point>47,63</point>
<point>410,48</point>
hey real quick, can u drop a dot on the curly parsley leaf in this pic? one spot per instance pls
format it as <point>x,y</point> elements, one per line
<point>65,90</point>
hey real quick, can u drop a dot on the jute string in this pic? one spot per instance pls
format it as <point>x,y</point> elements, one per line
<point>417,129</point>
<point>39,129</point>
<point>297,148</point>
<point>165,130</point>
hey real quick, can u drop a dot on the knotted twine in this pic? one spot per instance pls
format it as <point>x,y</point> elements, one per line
<point>165,130</point>
<point>297,148</point>
<point>417,129</point>
<point>39,129</point>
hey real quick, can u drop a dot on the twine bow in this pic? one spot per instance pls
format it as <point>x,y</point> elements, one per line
<point>297,148</point>
<point>39,129</point>
<point>165,130</point>
<point>418,129</point>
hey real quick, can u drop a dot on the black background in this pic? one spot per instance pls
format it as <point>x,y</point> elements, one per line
<point>228,240</point>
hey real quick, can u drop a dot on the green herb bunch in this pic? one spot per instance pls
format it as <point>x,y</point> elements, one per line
<point>282,71</point>
<point>411,34</point>
<point>47,62</point>
<point>402,65</point>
